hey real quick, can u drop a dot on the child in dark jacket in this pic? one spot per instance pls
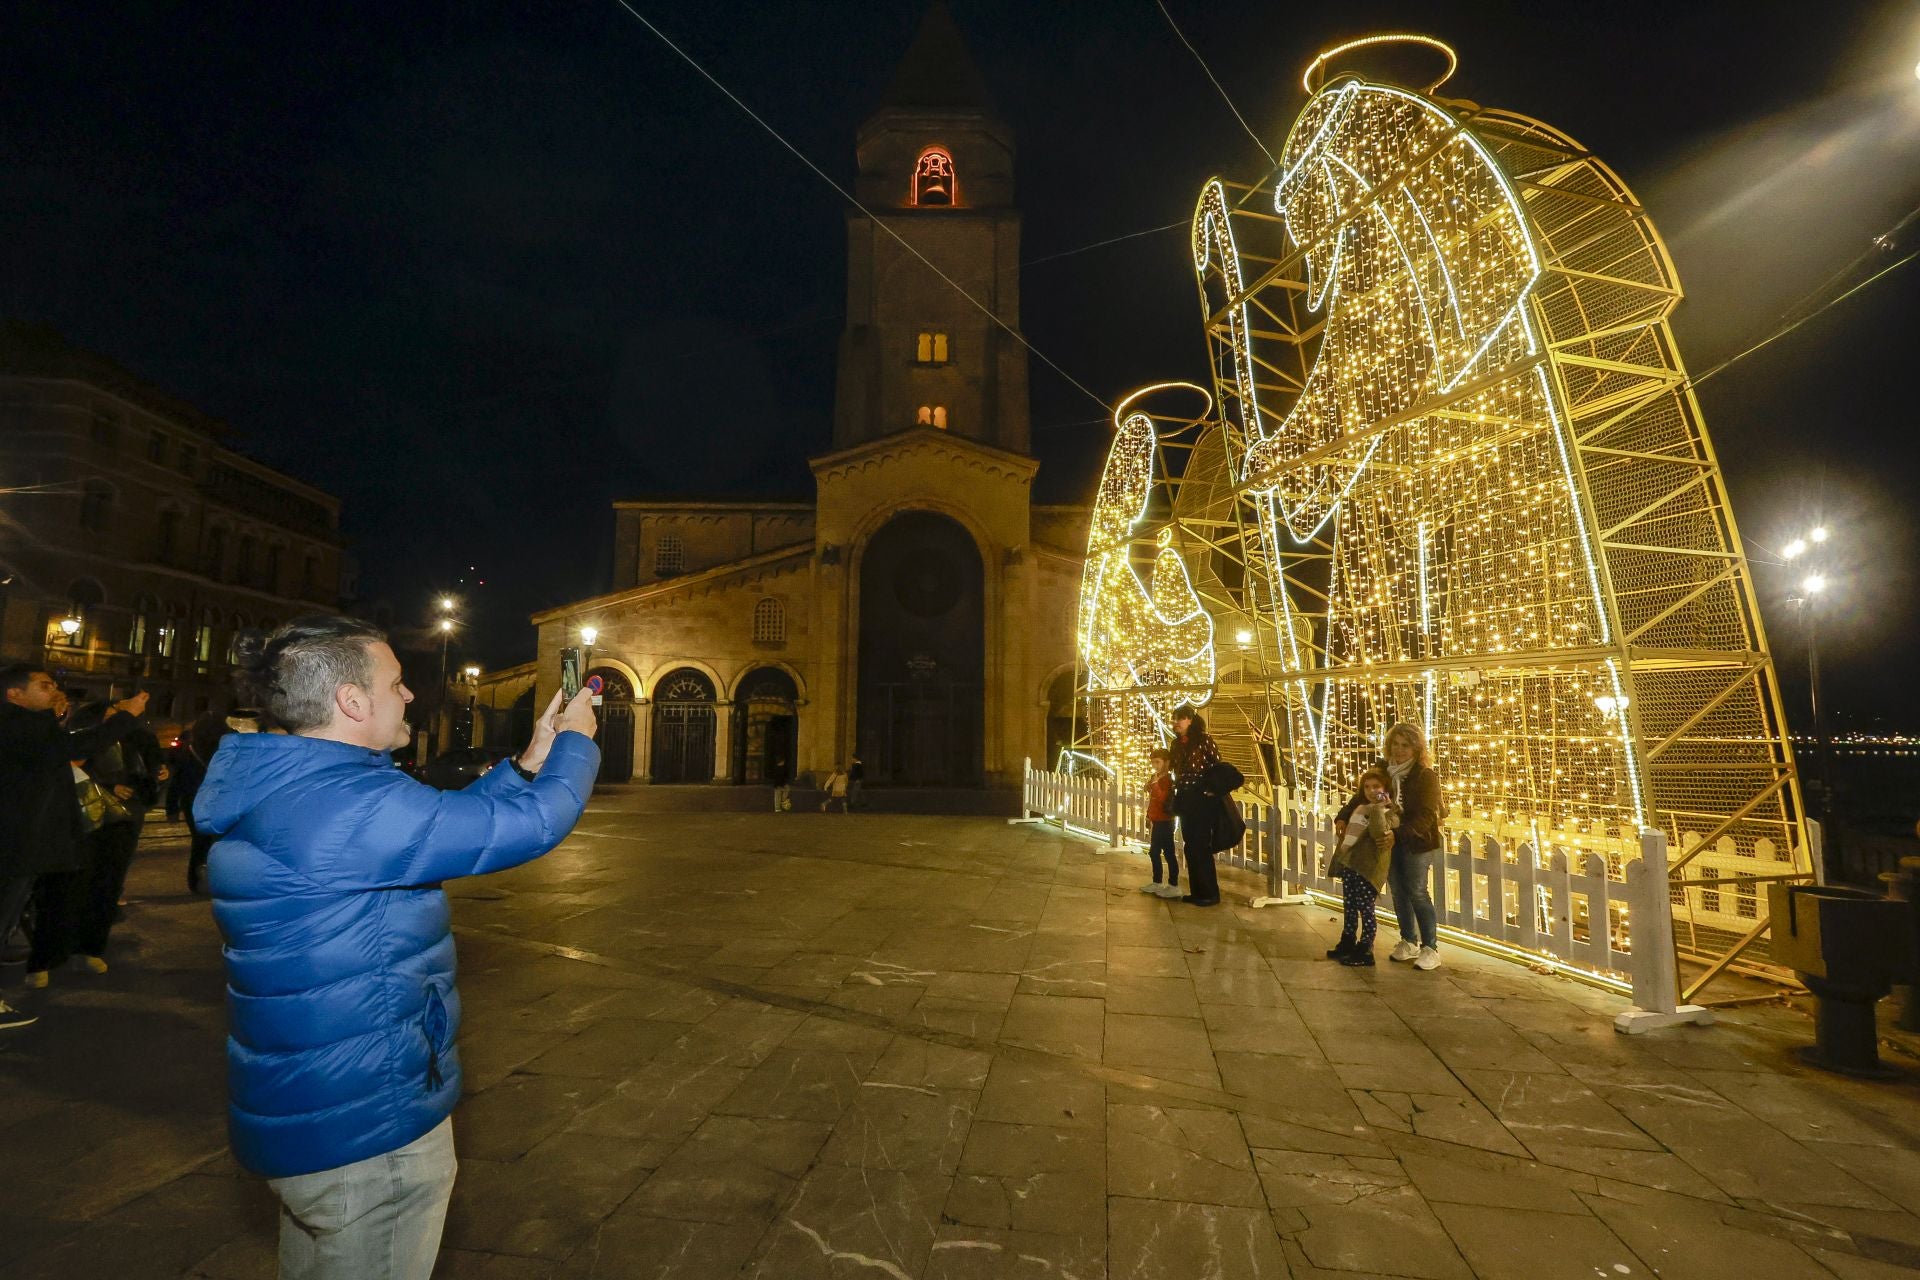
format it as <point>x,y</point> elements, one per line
<point>1360,862</point>
<point>1160,823</point>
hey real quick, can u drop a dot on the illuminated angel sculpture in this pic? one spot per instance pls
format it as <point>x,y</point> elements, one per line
<point>1426,449</point>
<point>1154,638</point>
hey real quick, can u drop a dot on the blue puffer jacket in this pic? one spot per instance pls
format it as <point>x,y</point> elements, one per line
<point>326,887</point>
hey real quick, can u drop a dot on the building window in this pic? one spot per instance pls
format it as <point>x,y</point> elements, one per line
<point>233,639</point>
<point>167,634</point>
<point>84,598</point>
<point>923,416</point>
<point>140,635</point>
<point>309,577</point>
<point>931,348</point>
<point>273,567</point>
<point>96,498</point>
<point>243,569</point>
<point>106,429</point>
<point>203,636</point>
<point>157,448</point>
<point>669,555</point>
<point>216,553</point>
<point>769,622</point>
<point>940,416</point>
<point>934,182</point>
<point>189,460</point>
<point>168,542</point>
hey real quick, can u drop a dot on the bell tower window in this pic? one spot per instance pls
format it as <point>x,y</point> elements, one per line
<point>934,183</point>
<point>930,348</point>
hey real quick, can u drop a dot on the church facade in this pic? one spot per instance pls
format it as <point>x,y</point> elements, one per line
<point>919,613</point>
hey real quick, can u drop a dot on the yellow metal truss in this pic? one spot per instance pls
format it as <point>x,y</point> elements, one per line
<point>1456,475</point>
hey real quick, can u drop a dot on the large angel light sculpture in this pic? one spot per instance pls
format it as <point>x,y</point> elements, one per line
<point>1427,452</point>
<point>1145,648</point>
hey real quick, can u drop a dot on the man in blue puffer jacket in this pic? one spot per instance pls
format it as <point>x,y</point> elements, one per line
<point>341,1065</point>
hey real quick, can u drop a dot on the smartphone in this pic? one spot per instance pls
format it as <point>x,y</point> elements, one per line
<point>569,673</point>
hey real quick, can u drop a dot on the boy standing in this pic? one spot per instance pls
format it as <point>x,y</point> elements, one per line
<point>1160,819</point>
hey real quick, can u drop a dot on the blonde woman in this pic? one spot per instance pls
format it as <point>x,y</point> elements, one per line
<point>1416,847</point>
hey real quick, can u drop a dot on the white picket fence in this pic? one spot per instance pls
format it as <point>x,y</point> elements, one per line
<point>1552,904</point>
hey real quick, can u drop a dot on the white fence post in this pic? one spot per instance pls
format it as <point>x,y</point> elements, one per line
<point>1656,978</point>
<point>1287,829</point>
<point>1113,810</point>
<point>1033,795</point>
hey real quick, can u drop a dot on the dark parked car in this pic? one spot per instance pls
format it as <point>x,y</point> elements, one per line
<point>452,770</point>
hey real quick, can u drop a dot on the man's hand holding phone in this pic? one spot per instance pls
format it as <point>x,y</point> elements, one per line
<point>559,717</point>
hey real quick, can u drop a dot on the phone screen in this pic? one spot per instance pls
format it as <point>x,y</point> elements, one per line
<point>569,673</point>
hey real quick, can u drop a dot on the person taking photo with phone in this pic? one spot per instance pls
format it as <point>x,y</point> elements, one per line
<point>342,1063</point>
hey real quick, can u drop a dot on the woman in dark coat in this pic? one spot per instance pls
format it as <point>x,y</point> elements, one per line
<point>1193,754</point>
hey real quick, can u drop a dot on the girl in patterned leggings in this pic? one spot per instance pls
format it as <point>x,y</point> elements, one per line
<point>1360,862</point>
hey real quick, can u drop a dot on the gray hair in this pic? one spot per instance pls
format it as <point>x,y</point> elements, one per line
<point>296,671</point>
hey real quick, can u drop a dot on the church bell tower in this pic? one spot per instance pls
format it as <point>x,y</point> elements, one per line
<point>936,171</point>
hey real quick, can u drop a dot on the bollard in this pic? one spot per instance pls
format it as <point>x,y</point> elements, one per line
<point>1845,946</point>
<point>1904,886</point>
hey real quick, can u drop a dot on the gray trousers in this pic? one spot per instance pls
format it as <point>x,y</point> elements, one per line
<point>375,1219</point>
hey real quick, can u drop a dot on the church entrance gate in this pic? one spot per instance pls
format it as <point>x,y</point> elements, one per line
<point>683,727</point>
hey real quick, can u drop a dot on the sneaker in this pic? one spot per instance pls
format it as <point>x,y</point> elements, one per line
<point>1429,958</point>
<point>1153,888</point>
<point>1169,891</point>
<point>91,964</point>
<point>37,979</point>
<point>12,1017</point>
<point>1404,951</point>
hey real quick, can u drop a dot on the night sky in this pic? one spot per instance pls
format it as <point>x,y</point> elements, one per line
<point>481,269</point>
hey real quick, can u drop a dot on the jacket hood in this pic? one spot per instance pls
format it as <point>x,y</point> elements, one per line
<point>249,767</point>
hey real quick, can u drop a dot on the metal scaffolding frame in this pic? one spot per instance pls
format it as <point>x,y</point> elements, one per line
<point>1686,732</point>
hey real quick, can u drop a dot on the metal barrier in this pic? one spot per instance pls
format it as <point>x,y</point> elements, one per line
<point>1602,910</point>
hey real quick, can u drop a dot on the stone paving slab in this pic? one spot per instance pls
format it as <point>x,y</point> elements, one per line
<point>727,1044</point>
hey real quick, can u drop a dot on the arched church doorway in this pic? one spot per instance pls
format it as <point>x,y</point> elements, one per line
<point>922,654</point>
<point>766,727</point>
<point>1060,718</point>
<point>616,725</point>
<point>683,723</point>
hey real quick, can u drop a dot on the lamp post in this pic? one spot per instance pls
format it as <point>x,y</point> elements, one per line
<point>587,636</point>
<point>440,698</point>
<point>1812,587</point>
<point>473,692</point>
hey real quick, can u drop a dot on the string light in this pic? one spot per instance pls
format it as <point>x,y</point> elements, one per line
<point>1450,421</point>
<point>1154,638</point>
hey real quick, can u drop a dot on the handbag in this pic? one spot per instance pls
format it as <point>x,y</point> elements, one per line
<point>98,806</point>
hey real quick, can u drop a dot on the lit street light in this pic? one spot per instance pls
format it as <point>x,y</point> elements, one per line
<point>70,627</point>
<point>440,700</point>
<point>1812,587</point>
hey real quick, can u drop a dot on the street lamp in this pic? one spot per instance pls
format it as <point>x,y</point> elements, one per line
<point>1812,587</point>
<point>587,636</point>
<point>70,626</point>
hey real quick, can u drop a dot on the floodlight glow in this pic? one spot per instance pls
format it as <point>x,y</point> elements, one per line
<point>1819,534</point>
<point>446,603</point>
<point>446,624</point>
<point>1795,549</point>
<point>589,634</point>
<point>1813,584</point>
